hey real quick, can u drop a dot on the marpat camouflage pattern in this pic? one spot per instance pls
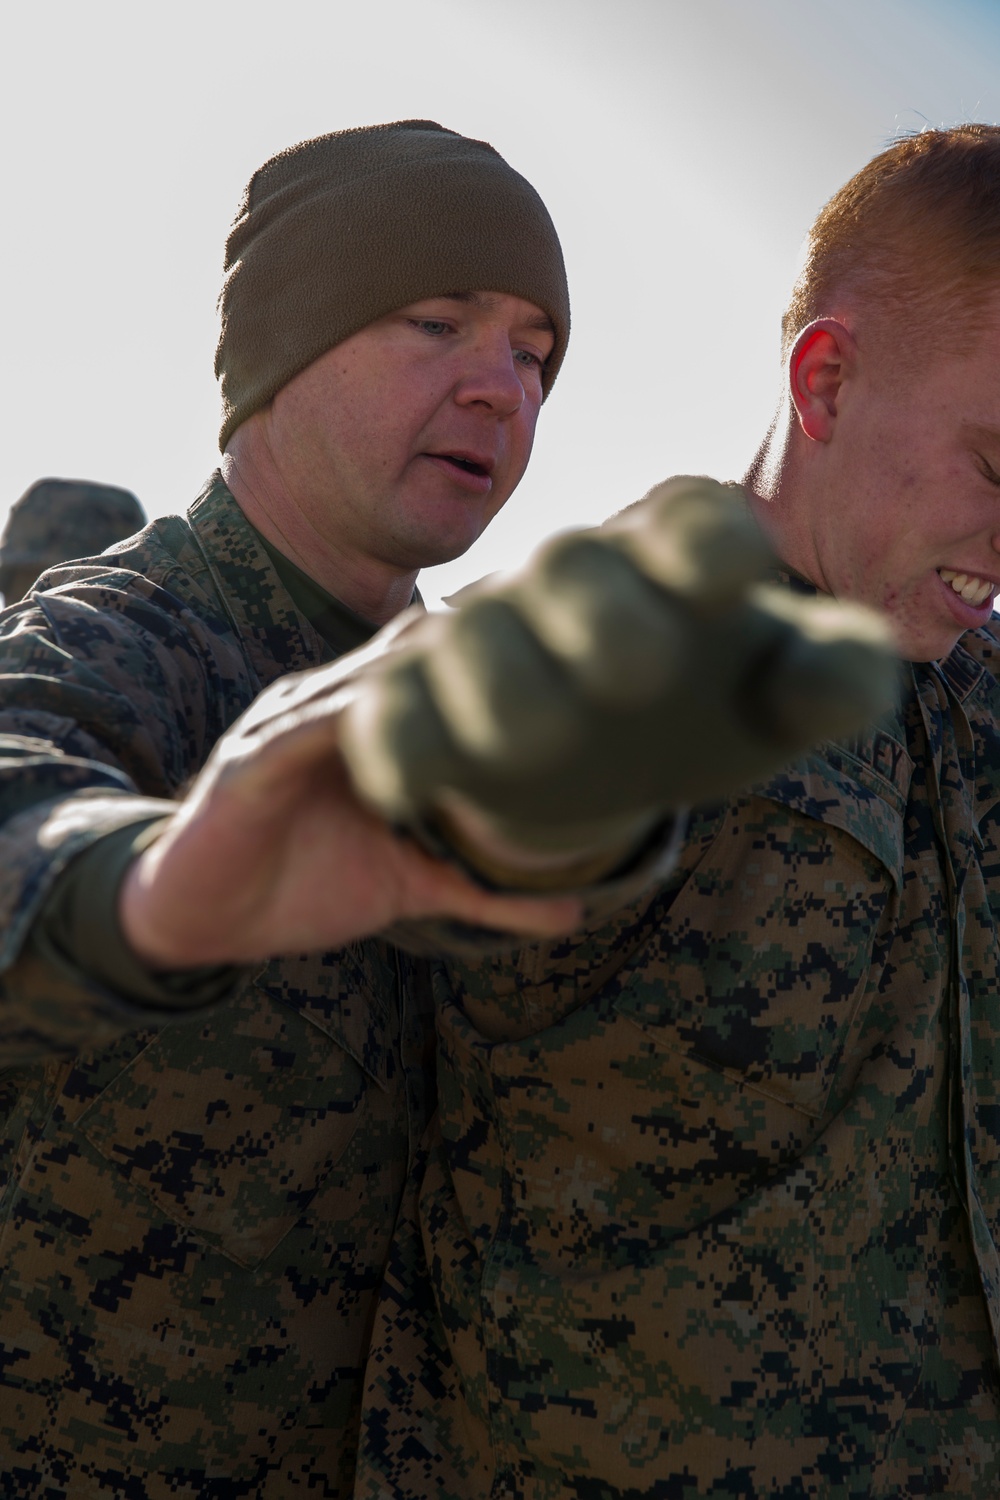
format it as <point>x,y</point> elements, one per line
<point>195,1215</point>
<point>711,1209</point>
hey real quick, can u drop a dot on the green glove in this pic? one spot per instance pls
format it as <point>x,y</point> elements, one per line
<point>626,671</point>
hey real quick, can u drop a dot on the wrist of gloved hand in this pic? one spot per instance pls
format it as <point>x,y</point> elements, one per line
<point>510,856</point>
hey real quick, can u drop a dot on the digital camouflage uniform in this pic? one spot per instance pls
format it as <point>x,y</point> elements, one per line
<point>195,1214</point>
<point>712,1207</point>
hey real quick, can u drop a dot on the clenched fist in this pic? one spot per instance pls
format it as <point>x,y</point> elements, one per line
<point>626,671</point>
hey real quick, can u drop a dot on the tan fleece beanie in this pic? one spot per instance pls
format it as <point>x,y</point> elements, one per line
<point>338,231</point>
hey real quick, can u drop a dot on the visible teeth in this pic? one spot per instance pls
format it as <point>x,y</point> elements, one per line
<point>967,586</point>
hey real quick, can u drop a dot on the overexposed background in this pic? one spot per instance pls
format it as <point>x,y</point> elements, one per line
<point>682,147</point>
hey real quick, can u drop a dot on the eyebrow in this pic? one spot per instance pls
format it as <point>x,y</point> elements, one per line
<point>488,301</point>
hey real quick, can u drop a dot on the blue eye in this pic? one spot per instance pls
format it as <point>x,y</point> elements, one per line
<point>434,327</point>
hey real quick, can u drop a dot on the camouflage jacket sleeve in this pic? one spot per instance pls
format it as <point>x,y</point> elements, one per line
<point>78,930</point>
<point>111,695</point>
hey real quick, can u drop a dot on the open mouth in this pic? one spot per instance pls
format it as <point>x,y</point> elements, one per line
<point>969,588</point>
<point>467,465</point>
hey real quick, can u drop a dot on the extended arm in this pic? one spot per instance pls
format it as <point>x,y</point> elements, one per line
<point>544,727</point>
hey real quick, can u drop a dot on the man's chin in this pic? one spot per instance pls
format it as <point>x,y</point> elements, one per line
<point>921,647</point>
<point>927,627</point>
<point>432,546</point>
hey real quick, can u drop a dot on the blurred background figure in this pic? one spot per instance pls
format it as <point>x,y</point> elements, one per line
<point>59,519</point>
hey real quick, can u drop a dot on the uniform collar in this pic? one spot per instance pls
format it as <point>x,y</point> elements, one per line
<point>286,621</point>
<point>276,636</point>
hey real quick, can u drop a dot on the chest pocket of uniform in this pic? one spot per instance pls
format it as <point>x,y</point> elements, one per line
<point>230,1123</point>
<point>769,946</point>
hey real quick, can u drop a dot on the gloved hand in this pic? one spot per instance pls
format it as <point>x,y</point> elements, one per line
<point>626,671</point>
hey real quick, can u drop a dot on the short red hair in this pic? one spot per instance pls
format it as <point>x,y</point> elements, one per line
<point>913,238</point>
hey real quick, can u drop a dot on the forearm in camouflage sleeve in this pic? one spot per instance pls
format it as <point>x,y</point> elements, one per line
<point>87,732</point>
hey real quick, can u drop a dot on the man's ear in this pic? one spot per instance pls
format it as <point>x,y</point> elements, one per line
<point>822,359</point>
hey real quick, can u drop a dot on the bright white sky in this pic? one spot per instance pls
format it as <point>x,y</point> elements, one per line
<point>682,146</point>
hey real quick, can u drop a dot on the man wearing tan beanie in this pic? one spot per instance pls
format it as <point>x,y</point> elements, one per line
<point>199,1212</point>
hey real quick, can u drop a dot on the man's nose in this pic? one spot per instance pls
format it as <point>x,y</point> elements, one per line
<point>491,378</point>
